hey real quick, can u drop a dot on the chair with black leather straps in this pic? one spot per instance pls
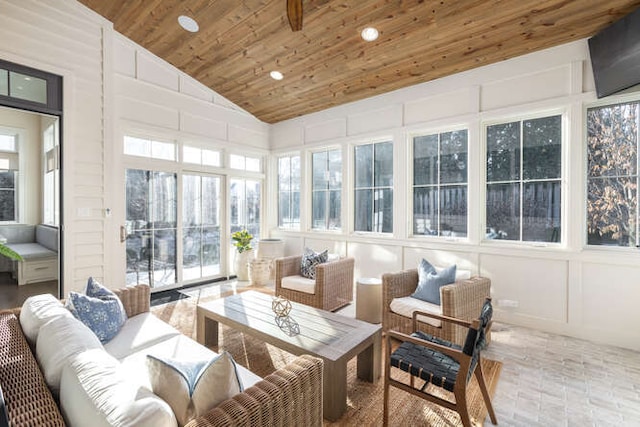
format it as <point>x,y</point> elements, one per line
<point>439,362</point>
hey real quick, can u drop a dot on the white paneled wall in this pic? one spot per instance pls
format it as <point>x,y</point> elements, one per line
<point>590,293</point>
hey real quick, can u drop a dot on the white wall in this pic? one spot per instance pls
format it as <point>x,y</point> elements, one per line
<point>110,85</point>
<point>585,292</point>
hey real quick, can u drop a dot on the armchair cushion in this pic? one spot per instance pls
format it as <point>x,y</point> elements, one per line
<point>405,306</point>
<point>430,281</point>
<point>300,284</point>
<point>310,260</point>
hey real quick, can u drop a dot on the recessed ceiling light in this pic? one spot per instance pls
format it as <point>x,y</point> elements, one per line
<point>188,23</point>
<point>276,75</point>
<point>369,34</point>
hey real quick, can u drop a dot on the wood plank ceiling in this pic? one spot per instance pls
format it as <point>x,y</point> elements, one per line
<point>327,63</point>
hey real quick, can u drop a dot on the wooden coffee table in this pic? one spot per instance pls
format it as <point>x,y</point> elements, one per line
<point>334,338</point>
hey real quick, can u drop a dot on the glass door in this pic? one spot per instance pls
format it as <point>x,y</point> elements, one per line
<point>200,227</point>
<point>151,227</point>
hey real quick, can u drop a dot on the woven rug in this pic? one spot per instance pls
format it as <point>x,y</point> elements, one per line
<point>365,400</point>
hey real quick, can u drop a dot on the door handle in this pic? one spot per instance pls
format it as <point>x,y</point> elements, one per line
<point>123,234</point>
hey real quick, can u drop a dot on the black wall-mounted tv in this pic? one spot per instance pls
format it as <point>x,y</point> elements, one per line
<point>615,55</point>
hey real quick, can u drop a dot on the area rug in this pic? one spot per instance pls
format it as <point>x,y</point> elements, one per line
<point>365,400</point>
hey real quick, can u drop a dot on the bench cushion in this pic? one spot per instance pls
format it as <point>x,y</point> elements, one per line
<point>32,250</point>
<point>47,237</point>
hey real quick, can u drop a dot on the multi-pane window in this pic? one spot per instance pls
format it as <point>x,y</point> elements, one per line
<point>245,206</point>
<point>524,169</point>
<point>289,192</point>
<point>8,178</point>
<point>440,184</point>
<point>612,175</point>
<point>326,190</point>
<point>374,187</point>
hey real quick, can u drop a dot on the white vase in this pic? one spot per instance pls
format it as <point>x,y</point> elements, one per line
<point>241,264</point>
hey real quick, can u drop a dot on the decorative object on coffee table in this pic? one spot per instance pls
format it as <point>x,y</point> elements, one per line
<point>281,306</point>
<point>244,254</point>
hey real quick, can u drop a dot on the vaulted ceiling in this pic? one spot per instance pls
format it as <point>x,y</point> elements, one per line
<point>327,63</point>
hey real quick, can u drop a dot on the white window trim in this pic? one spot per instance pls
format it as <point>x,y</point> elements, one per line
<point>307,182</point>
<point>565,123</point>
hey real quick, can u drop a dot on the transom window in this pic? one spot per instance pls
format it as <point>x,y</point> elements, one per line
<point>251,164</point>
<point>440,184</point>
<point>289,192</point>
<point>149,148</point>
<point>612,175</point>
<point>200,156</point>
<point>374,187</point>
<point>524,168</point>
<point>326,190</point>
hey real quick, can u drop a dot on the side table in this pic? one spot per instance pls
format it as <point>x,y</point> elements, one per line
<point>369,299</point>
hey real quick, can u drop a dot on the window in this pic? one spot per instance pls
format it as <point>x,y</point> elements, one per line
<point>245,206</point>
<point>524,160</point>
<point>9,161</point>
<point>440,184</point>
<point>200,226</point>
<point>51,175</point>
<point>612,175</point>
<point>251,164</point>
<point>289,192</point>
<point>326,190</point>
<point>374,187</point>
<point>200,156</point>
<point>149,148</point>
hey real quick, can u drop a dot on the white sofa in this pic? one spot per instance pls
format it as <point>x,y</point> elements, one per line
<point>108,384</point>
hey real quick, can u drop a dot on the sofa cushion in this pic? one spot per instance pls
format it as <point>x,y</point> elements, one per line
<point>179,347</point>
<point>38,310</point>
<point>310,260</point>
<point>193,387</point>
<point>95,389</point>
<point>405,306</point>
<point>59,340</point>
<point>137,333</point>
<point>430,281</point>
<point>299,283</point>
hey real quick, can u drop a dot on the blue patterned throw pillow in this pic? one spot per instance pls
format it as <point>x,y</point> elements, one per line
<point>100,310</point>
<point>430,281</point>
<point>310,260</point>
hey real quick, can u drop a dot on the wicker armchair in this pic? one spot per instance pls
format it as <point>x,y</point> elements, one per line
<point>462,300</point>
<point>333,285</point>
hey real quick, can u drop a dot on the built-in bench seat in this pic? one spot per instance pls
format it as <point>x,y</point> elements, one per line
<point>38,246</point>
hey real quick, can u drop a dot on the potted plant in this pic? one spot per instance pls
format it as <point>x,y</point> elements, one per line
<point>242,241</point>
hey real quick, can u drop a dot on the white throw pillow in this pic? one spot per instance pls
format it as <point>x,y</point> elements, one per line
<point>192,388</point>
<point>59,340</point>
<point>95,390</point>
<point>38,310</point>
